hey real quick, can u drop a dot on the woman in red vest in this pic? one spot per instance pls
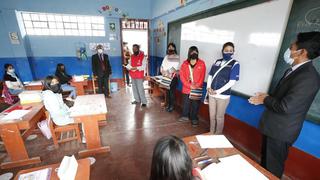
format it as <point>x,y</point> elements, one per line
<point>138,65</point>
<point>193,80</point>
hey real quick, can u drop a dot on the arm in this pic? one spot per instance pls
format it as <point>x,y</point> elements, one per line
<point>199,81</point>
<point>94,67</point>
<point>143,66</point>
<point>226,86</point>
<point>52,105</point>
<point>296,97</point>
<point>108,64</point>
<point>184,76</point>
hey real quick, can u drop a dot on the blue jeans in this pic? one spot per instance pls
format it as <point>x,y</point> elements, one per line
<point>15,91</point>
<point>67,87</point>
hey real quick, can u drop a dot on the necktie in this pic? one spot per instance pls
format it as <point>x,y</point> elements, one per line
<point>101,62</point>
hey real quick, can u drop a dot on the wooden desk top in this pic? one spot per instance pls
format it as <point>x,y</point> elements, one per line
<point>195,150</point>
<point>84,82</point>
<point>27,120</point>
<point>88,105</point>
<point>83,171</point>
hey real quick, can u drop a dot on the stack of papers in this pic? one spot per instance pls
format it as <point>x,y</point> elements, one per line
<point>15,115</point>
<point>213,141</point>
<point>78,78</point>
<point>232,167</point>
<point>43,174</point>
<point>27,97</point>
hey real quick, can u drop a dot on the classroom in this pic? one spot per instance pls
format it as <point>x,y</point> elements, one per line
<point>159,89</point>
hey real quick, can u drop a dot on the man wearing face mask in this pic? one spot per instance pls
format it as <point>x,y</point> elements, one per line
<point>138,66</point>
<point>192,74</point>
<point>101,68</point>
<point>288,104</point>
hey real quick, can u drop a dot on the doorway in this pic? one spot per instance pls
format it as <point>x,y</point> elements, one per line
<point>134,31</point>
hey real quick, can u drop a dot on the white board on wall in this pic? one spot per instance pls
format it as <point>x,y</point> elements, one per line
<point>257,32</point>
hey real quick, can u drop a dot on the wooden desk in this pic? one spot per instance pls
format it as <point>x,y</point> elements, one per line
<point>89,110</point>
<point>195,150</point>
<point>83,171</point>
<point>34,85</point>
<point>156,90</point>
<point>14,133</point>
<point>79,85</point>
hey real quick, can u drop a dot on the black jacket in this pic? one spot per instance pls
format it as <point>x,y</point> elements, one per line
<point>8,77</point>
<point>64,78</point>
<point>97,68</point>
<point>287,106</point>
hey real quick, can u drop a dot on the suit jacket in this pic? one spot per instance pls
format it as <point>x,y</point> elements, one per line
<point>97,68</point>
<point>288,104</point>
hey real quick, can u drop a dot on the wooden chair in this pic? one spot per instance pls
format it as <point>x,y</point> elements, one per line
<point>57,131</point>
<point>94,84</point>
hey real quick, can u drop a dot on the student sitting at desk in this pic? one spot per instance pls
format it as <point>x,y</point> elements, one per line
<point>64,79</point>
<point>53,102</point>
<point>171,160</point>
<point>11,80</point>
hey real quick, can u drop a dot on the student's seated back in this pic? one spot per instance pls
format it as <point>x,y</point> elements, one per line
<point>53,102</point>
<point>171,160</point>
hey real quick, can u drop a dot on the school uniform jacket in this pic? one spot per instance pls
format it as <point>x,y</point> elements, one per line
<point>288,104</point>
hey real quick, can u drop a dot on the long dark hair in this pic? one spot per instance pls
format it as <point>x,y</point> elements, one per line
<point>59,68</point>
<point>192,48</point>
<point>171,160</point>
<point>174,46</point>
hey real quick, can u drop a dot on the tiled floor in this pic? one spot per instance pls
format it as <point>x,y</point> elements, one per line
<point>131,132</point>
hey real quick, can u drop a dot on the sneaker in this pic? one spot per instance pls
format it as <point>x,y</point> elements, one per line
<point>195,123</point>
<point>170,109</point>
<point>134,102</point>
<point>183,119</point>
<point>143,105</point>
<point>108,96</point>
<point>69,99</point>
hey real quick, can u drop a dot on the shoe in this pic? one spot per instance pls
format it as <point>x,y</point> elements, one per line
<point>108,96</point>
<point>134,102</point>
<point>143,105</point>
<point>170,109</point>
<point>195,124</point>
<point>69,99</point>
<point>183,119</point>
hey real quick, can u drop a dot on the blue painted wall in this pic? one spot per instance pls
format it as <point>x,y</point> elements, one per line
<point>35,57</point>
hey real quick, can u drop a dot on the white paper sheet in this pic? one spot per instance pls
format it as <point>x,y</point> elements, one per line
<point>213,141</point>
<point>42,174</point>
<point>232,167</point>
<point>15,115</point>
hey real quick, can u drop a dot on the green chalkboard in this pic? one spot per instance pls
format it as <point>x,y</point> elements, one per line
<point>304,17</point>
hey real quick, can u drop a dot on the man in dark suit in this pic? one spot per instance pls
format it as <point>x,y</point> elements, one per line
<point>288,104</point>
<point>102,70</point>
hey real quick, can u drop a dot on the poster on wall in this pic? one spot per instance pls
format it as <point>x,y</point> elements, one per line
<point>93,46</point>
<point>14,38</point>
<point>112,27</point>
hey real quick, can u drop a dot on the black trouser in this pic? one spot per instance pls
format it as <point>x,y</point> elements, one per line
<point>103,84</point>
<point>171,92</point>
<point>127,76</point>
<point>274,154</point>
<point>190,108</point>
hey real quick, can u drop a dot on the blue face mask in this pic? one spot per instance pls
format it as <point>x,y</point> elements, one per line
<point>287,57</point>
<point>227,56</point>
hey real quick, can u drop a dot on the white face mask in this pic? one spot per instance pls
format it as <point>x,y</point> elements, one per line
<point>100,51</point>
<point>11,70</point>
<point>287,57</point>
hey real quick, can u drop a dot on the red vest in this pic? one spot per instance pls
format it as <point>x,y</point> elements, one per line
<point>135,62</point>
